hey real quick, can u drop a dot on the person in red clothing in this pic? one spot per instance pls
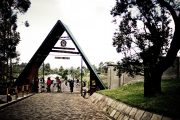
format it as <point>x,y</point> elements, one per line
<point>49,82</point>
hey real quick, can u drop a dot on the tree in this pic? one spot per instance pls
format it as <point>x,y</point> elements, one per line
<point>47,69</point>
<point>147,39</point>
<point>75,72</point>
<point>103,67</point>
<point>94,67</point>
<point>78,73</point>
<point>55,71</point>
<point>18,68</point>
<point>9,37</point>
<point>65,73</point>
<point>61,70</point>
<point>85,70</point>
<point>100,69</point>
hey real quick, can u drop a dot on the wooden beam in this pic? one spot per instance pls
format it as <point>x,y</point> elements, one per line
<point>65,38</point>
<point>64,48</point>
<point>60,51</point>
<point>62,58</point>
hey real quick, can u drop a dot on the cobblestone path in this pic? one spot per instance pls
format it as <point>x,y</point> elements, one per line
<point>53,106</point>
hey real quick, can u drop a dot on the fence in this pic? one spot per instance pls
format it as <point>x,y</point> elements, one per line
<point>17,91</point>
<point>115,81</point>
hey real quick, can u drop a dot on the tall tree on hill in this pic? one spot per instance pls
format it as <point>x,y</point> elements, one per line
<point>9,37</point>
<point>47,69</point>
<point>18,68</point>
<point>61,70</point>
<point>148,36</point>
<point>100,67</point>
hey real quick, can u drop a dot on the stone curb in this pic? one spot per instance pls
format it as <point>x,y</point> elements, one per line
<point>121,111</point>
<point>14,101</point>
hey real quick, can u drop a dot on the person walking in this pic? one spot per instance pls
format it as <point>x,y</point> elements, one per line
<point>58,81</point>
<point>42,86</point>
<point>49,82</point>
<point>71,85</point>
<point>84,89</point>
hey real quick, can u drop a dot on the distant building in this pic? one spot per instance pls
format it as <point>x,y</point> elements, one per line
<point>115,81</point>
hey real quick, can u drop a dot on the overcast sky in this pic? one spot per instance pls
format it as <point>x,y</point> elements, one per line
<point>88,20</point>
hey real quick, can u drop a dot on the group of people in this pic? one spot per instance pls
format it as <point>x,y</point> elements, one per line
<point>41,86</point>
<point>57,83</point>
<point>53,85</point>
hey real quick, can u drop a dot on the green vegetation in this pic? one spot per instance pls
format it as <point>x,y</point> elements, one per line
<point>104,79</point>
<point>167,103</point>
<point>9,36</point>
<point>151,48</point>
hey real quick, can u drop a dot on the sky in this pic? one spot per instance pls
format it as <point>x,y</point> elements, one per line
<point>89,21</point>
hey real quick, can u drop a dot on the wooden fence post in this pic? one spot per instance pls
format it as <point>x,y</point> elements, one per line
<point>16,91</point>
<point>27,89</point>
<point>23,91</point>
<point>7,92</point>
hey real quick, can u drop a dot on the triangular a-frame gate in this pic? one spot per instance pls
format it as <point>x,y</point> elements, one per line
<point>31,69</point>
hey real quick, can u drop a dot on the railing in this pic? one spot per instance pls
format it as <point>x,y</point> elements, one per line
<point>17,91</point>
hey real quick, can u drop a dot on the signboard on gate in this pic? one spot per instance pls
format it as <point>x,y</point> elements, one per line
<point>62,58</point>
<point>63,43</point>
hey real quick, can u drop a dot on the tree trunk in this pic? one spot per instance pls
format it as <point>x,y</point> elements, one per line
<point>152,83</point>
<point>152,78</point>
<point>147,83</point>
<point>164,64</point>
<point>156,79</point>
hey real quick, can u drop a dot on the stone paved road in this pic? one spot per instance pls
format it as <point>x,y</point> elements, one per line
<point>53,106</point>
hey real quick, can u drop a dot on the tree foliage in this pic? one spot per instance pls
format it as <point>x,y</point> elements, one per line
<point>9,37</point>
<point>18,68</point>
<point>103,67</point>
<point>74,72</point>
<point>147,36</point>
<point>47,68</point>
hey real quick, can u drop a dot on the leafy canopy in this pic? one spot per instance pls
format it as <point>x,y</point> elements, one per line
<point>9,37</point>
<point>144,32</point>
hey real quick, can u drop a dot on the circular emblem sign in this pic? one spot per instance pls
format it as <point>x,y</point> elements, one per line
<point>63,43</point>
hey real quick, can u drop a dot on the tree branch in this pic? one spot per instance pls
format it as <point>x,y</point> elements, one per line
<point>169,7</point>
<point>175,44</point>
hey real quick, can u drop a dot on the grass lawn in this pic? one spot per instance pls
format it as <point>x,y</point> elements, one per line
<point>168,103</point>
